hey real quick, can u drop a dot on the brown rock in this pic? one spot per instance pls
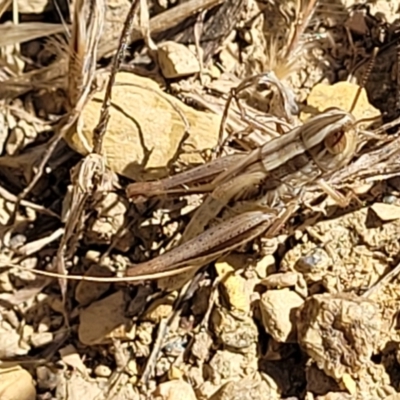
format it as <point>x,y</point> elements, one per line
<point>339,332</point>
<point>87,292</point>
<point>104,320</point>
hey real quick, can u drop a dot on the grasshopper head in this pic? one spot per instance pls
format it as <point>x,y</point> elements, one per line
<point>330,138</point>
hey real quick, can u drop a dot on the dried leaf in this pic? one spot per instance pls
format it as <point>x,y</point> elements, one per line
<point>25,31</point>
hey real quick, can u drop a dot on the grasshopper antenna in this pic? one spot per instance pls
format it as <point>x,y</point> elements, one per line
<point>365,78</point>
<point>398,76</point>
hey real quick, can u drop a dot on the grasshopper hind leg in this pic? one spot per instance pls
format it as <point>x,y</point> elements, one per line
<point>222,195</point>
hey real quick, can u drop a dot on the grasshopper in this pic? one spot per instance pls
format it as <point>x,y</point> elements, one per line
<point>281,169</point>
<point>278,172</point>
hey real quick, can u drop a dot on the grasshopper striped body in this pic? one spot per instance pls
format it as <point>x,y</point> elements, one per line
<point>283,166</point>
<point>279,170</point>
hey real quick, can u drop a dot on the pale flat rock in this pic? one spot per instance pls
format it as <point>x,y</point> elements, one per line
<point>147,129</point>
<point>103,320</point>
<point>176,60</point>
<point>39,339</point>
<point>386,212</point>
<point>342,95</point>
<point>16,384</point>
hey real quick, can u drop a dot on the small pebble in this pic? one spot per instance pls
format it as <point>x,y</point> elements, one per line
<point>176,60</point>
<point>160,308</point>
<point>175,373</point>
<point>175,390</point>
<point>277,310</point>
<point>27,332</point>
<point>17,240</point>
<point>56,304</point>
<point>41,297</point>
<point>39,339</point>
<point>46,378</point>
<point>102,371</point>
<point>44,325</point>
<point>265,266</point>
<point>132,367</point>
<point>5,283</point>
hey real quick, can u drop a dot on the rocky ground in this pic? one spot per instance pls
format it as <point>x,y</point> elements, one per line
<point>308,314</point>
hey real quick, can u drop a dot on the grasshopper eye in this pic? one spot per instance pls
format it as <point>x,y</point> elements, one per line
<point>341,141</point>
<point>336,142</point>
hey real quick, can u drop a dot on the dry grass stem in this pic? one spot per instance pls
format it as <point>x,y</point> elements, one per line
<point>100,129</point>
